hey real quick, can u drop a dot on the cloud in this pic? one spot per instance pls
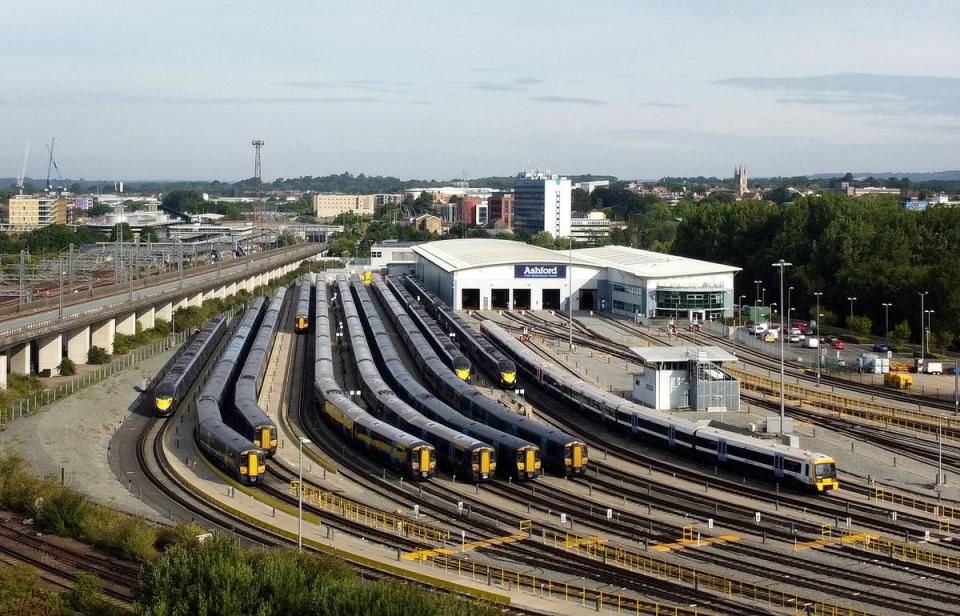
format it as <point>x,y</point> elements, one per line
<point>659,104</point>
<point>372,85</point>
<point>879,94</point>
<point>518,84</point>
<point>60,98</point>
<point>570,100</point>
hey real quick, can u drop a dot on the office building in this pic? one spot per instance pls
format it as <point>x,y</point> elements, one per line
<point>500,211</point>
<point>541,202</point>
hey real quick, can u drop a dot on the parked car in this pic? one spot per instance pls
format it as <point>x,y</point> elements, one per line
<point>881,347</point>
<point>811,342</point>
<point>795,337</point>
<point>838,344</point>
<point>807,330</point>
<point>770,336</point>
<point>829,338</point>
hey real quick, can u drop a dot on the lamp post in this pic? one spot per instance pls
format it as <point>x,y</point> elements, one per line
<point>60,269</point>
<point>886,319</point>
<point>781,264</point>
<point>756,302</point>
<point>570,290</point>
<point>817,295</point>
<point>929,314</point>
<point>789,306</point>
<point>850,322</point>
<point>763,296</point>
<point>740,316</point>
<point>303,441</point>
<point>922,295</point>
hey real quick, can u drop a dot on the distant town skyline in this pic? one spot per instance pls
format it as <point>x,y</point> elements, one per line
<point>177,90</point>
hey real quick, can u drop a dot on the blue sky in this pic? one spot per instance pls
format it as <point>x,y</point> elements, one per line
<point>432,89</point>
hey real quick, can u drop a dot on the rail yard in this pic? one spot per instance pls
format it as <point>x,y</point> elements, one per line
<point>479,452</point>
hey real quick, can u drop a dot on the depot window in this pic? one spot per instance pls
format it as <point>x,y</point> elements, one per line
<point>683,300</point>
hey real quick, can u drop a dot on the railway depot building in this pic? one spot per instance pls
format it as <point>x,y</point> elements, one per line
<point>485,274</point>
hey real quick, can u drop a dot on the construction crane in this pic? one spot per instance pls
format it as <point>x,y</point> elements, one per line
<point>23,170</point>
<point>52,166</point>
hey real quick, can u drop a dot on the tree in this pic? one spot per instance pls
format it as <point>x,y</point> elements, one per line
<point>66,367</point>
<point>97,210</point>
<point>860,325</point>
<point>123,231</point>
<point>580,200</point>
<point>97,355</point>
<point>901,333</point>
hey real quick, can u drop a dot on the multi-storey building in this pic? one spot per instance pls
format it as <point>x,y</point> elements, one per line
<point>327,207</point>
<point>501,209</point>
<point>541,202</point>
<point>29,212</point>
<point>591,228</point>
<point>475,211</point>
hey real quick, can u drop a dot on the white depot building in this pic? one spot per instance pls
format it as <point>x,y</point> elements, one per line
<point>502,274</point>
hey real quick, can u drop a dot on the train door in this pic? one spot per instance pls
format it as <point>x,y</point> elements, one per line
<point>484,463</point>
<point>633,423</point>
<point>722,450</point>
<point>806,469</point>
<point>778,464</point>
<point>671,436</point>
<point>252,468</point>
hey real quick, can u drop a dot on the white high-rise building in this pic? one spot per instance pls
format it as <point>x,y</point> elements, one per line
<point>542,203</point>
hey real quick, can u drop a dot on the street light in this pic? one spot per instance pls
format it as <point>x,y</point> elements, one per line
<point>570,290</point>
<point>303,441</point>
<point>757,301</point>
<point>60,266</point>
<point>922,295</point>
<point>740,316</point>
<point>789,305</point>
<point>781,264</point>
<point>886,319</point>
<point>929,314</point>
<point>817,295</point>
<point>850,322</point>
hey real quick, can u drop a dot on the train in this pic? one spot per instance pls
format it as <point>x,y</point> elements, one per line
<point>411,456</point>
<point>234,453</point>
<point>775,461</point>
<point>442,344</point>
<point>248,418</point>
<point>457,453</point>
<point>478,348</point>
<point>559,451</point>
<point>301,320</point>
<point>176,382</point>
<point>515,458</point>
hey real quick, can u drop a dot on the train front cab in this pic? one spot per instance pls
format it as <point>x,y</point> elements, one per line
<point>483,463</point>
<point>508,374</point>
<point>251,466</point>
<point>265,438</point>
<point>163,405</point>
<point>302,324</point>
<point>575,458</point>
<point>825,475</point>
<point>423,461</point>
<point>462,368</point>
<point>528,462</point>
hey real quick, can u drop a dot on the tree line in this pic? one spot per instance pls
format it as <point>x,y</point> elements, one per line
<point>870,249</point>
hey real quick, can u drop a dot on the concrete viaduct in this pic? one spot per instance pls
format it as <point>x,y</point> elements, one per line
<point>43,338</point>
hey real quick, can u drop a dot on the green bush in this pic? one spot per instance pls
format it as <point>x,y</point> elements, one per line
<point>219,577</point>
<point>97,355</point>
<point>162,328</point>
<point>67,367</point>
<point>121,344</point>
<point>860,325</point>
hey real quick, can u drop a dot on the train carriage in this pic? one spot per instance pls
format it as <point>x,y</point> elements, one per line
<point>813,470</point>
<point>412,456</point>
<point>301,319</point>
<point>177,381</point>
<point>220,443</point>
<point>472,403</point>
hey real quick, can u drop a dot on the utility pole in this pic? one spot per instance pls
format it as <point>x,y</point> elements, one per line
<point>817,295</point>
<point>886,320</point>
<point>782,265</point>
<point>570,289</point>
<point>258,204</point>
<point>922,294</point>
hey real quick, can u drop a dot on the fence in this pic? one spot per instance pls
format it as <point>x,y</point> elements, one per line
<point>369,516</point>
<point>29,406</point>
<point>918,421</point>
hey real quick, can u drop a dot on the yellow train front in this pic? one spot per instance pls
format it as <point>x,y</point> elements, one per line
<point>301,324</point>
<point>825,474</point>
<point>508,373</point>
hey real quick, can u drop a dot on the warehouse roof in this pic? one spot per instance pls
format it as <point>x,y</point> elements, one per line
<point>453,255</point>
<point>647,264</point>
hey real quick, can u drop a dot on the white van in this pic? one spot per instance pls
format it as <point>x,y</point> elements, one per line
<point>756,329</point>
<point>811,342</point>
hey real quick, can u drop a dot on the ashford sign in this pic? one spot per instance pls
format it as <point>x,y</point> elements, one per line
<point>542,270</point>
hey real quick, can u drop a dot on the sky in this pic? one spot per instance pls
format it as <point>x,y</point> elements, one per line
<point>423,89</point>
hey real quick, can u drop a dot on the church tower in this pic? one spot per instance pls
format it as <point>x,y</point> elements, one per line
<point>740,179</point>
